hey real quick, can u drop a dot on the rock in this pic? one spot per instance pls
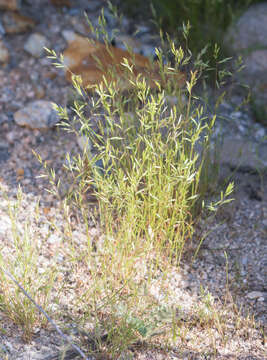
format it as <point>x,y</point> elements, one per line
<point>35,44</point>
<point>69,35</point>
<point>15,23</point>
<point>123,41</point>
<point>249,31</point>
<point>10,5</point>
<point>4,54</point>
<point>38,114</point>
<point>257,61</point>
<point>243,153</point>
<point>141,30</point>
<point>20,172</point>
<point>110,18</point>
<point>80,59</point>
<point>39,92</point>
<point>84,143</point>
<point>247,37</point>
<point>253,295</point>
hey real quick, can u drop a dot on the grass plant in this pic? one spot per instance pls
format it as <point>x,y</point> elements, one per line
<point>138,190</point>
<point>21,258</point>
<point>146,163</point>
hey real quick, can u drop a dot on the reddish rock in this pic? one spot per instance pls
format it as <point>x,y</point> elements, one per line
<point>9,5</point>
<point>15,23</point>
<point>81,57</point>
<point>20,172</point>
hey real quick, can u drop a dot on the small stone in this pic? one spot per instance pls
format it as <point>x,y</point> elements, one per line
<point>84,143</point>
<point>11,137</point>
<point>20,172</point>
<point>39,92</point>
<point>4,54</point>
<point>253,295</point>
<point>69,35</point>
<point>10,5</point>
<point>123,41</point>
<point>38,114</point>
<point>46,210</point>
<point>15,23</point>
<point>53,238</point>
<point>35,44</point>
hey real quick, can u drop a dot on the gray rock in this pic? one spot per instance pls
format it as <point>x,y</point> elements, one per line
<point>243,153</point>
<point>35,44</point>
<point>37,115</point>
<point>253,295</point>
<point>84,143</point>
<point>249,31</point>
<point>248,37</point>
<point>123,41</point>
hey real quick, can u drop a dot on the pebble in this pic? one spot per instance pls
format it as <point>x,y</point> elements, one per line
<point>53,238</point>
<point>35,44</point>
<point>255,295</point>
<point>4,54</point>
<point>69,35</point>
<point>20,172</point>
<point>37,115</point>
<point>84,143</point>
<point>123,41</point>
